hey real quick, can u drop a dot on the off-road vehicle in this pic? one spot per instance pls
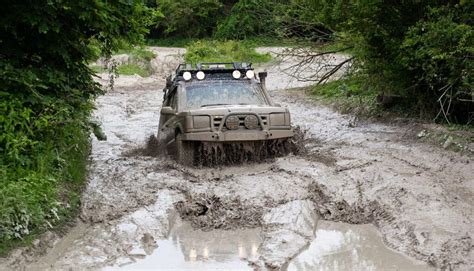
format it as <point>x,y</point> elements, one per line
<point>221,112</point>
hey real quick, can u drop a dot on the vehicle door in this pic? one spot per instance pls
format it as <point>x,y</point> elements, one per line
<point>168,116</point>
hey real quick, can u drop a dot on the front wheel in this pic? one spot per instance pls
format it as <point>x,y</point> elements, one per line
<point>184,151</point>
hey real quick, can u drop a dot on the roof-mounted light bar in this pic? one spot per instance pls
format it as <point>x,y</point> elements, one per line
<point>202,70</point>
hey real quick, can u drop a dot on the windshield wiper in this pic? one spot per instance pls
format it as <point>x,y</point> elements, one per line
<point>205,105</point>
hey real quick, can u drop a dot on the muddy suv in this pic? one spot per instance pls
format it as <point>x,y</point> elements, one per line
<point>220,111</point>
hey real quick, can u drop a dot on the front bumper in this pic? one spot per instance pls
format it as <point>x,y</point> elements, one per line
<point>238,135</point>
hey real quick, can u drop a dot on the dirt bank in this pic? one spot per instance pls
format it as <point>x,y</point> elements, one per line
<point>418,196</point>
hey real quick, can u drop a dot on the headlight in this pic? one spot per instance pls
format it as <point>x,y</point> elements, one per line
<point>250,74</point>
<point>232,122</point>
<point>277,119</point>
<point>251,122</point>
<point>200,122</point>
<point>200,75</point>
<point>187,76</point>
<point>236,74</point>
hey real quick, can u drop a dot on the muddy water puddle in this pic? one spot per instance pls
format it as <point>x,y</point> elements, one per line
<point>337,246</point>
<point>341,246</point>
<point>189,249</point>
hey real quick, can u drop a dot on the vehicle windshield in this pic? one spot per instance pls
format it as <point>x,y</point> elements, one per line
<point>223,92</point>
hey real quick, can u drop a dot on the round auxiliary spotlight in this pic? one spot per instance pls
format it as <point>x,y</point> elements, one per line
<point>250,74</point>
<point>251,122</point>
<point>187,76</point>
<point>200,75</point>
<point>232,122</point>
<point>236,74</point>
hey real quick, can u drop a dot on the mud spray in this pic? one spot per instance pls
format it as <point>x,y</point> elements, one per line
<point>215,154</point>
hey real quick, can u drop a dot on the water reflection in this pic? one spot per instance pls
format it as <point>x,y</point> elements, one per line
<point>337,246</point>
<point>340,246</point>
<point>189,249</point>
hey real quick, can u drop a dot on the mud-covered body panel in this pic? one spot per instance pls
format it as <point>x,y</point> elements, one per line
<point>217,131</point>
<point>203,110</point>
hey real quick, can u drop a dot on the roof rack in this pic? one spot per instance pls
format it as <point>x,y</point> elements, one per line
<point>213,67</point>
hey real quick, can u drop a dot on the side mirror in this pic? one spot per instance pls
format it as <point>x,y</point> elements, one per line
<point>168,82</point>
<point>262,76</point>
<point>167,110</point>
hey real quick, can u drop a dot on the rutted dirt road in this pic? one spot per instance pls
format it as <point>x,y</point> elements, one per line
<point>271,215</point>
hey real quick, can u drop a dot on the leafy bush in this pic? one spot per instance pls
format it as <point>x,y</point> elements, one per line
<point>139,61</point>
<point>185,18</point>
<point>315,20</point>
<point>132,69</point>
<point>351,95</point>
<point>439,54</point>
<point>228,51</point>
<point>418,49</point>
<point>248,18</point>
<point>46,94</point>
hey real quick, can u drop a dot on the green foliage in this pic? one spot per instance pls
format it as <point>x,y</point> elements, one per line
<point>315,20</point>
<point>185,18</point>
<point>46,94</point>
<point>418,49</point>
<point>141,54</point>
<point>349,95</point>
<point>44,160</point>
<point>248,18</point>
<point>97,68</point>
<point>132,69</point>
<point>346,87</point>
<point>228,51</point>
<point>138,62</point>
<point>439,54</point>
<point>170,42</point>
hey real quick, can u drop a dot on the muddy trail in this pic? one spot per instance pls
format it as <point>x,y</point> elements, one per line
<point>363,196</point>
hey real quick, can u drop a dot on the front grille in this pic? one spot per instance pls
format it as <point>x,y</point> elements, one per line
<point>217,120</point>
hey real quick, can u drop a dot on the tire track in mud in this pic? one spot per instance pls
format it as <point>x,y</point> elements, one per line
<point>362,174</point>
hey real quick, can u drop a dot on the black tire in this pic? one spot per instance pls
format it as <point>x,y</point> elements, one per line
<point>185,151</point>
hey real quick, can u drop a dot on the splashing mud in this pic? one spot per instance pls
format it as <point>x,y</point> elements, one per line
<point>218,153</point>
<point>212,212</point>
<point>152,147</point>
<point>228,153</point>
<point>215,154</point>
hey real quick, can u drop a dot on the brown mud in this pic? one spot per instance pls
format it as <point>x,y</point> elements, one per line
<point>266,215</point>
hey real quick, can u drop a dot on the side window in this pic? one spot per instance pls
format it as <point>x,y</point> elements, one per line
<point>174,100</point>
<point>170,99</point>
<point>167,99</point>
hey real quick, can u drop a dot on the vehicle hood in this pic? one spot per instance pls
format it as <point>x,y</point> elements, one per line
<point>222,110</point>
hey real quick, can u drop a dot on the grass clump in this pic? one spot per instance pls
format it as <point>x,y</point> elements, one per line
<point>132,69</point>
<point>137,54</point>
<point>223,51</point>
<point>139,62</point>
<point>348,95</point>
<point>97,68</point>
